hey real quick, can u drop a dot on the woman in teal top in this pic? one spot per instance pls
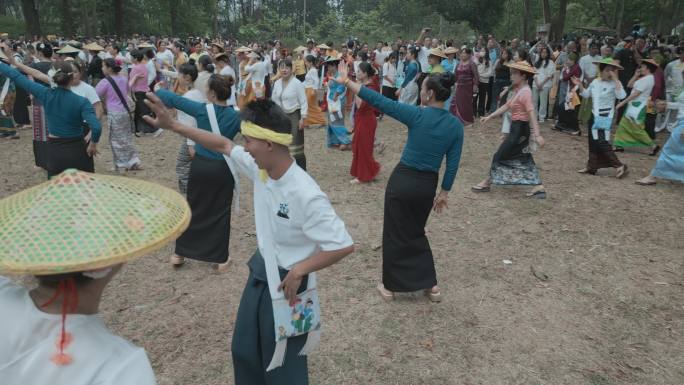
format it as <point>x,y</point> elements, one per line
<point>65,113</point>
<point>433,133</point>
<point>211,181</point>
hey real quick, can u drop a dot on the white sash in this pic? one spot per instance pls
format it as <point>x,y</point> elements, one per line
<point>231,165</point>
<point>282,312</point>
<point>3,95</point>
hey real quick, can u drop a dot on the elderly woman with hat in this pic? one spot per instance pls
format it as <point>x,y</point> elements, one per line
<point>603,91</point>
<point>52,333</point>
<point>513,163</point>
<point>94,69</point>
<point>435,61</point>
<point>631,130</point>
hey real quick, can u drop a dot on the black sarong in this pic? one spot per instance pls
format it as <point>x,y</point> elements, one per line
<point>141,110</point>
<point>601,154</point>
<point>407,262</point>
<point>210,194</point>
<point>64,153</point>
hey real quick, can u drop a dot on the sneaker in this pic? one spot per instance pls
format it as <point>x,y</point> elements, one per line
<point>157,133</point>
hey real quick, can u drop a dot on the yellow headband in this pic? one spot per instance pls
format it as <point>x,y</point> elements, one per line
<point>257,132</point>
<point>253,131</point>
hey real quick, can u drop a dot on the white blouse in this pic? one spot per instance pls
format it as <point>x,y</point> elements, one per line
<point>543,73</point>
<point>603,95</point>
<point>292,98</point>
<point>311,79</point>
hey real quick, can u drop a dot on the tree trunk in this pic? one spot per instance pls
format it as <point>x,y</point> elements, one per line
<point>3,11</point>
<point>559,23</point>
<point>173,16</point>
<point>118,6</point>
<point>526,20</point>
<point>214,18</point>
<point>66,19</point>
<point>619,14</point>
<point>31,16</point>
<point>546,9</point>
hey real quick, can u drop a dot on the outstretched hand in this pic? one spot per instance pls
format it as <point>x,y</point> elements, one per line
<point>342,72</point>
<point>163,117</point>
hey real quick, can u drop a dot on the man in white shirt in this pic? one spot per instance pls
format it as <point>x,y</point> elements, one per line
<point>424,43</point>
<point>589,69</point>
<point>298,233</point>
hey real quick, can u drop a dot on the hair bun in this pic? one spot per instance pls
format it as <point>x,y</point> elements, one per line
<point>447,79</point>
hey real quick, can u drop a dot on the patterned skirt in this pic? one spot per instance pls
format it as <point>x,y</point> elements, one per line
<point>121,140</point>
<point>513,164</point>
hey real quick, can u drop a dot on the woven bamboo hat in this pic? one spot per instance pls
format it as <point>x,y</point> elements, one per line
<point>93,47</point>
<point>79,221</point>
<point>301,48</point>
<point>243,49</point>
<point>522,66</point>
<point>651,62</point>
<point>144,45</point>
<point>450,50</point>
<point>437,52</point>
<point>67,49</point>
<point>322,46</point>
<point>608,61</point>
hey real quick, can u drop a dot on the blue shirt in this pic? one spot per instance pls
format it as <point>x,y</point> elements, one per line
<point>228,119</point>
<point>336,88</point>
<point>411,70</point>
<point>64,110</point>
<point>450,66</point>
<point>432,134</point>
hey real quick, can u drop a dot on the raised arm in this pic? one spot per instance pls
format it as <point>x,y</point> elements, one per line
<point>32,72</point>
<point>181,103</point>
<point>35,89</point>
<point>163,118</point>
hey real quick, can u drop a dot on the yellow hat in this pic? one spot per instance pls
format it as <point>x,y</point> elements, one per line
<point>450,50</point>
<point>79,221</point>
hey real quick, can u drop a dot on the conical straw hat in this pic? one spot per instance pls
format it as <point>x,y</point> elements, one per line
<point>80,221</point>
<point>67,49</point>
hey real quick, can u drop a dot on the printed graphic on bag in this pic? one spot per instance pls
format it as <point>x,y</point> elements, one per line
<point>303,317</point>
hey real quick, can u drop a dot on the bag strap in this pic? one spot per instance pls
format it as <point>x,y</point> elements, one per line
<point>211,113</point>
<point>118,93</point>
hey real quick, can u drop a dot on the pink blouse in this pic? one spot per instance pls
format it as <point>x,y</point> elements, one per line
<point>140,84</point>
<point>521,104</point>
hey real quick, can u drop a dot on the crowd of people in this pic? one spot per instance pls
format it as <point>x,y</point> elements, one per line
<point>209,91</point>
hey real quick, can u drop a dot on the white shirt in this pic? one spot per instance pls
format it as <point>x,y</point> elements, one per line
<point>603,94</point>
<point>390,71</point>
<point>151,71</point>
<point>292,215</point>
<point>229,71</point>
<point>645,86</point>
<point>312,53</point>
<point>589,69</point>
<point>543,73</point>
<point>423,54</point>
<point>87,91</point>
<point>678,105</point>
<point>484,71</point>
<point>196,96</point>
<point>258,71</point>
<point>380,57</point>
<point>292,98</point>
<point>673,77</point>
<point>29,339</point>
<point>202,84</point>
<point>311,79</point>
<point>165,56</point>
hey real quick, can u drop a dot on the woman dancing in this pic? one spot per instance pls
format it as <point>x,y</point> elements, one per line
<point>364,168</point>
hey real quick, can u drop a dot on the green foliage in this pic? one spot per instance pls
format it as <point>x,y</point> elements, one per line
<point>11,25</point>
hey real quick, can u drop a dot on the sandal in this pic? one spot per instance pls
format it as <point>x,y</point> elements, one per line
<point>480,189</point>
<point>176,261</point>
<point>621,171</point>
<point>434,296</point>
<point>641,182</point>
<point>386,295</point>
<point>587,171</point>
<point>539,194</point>
<point>655,151</point>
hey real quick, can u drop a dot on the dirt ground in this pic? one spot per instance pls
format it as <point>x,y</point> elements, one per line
<point>610,312</point>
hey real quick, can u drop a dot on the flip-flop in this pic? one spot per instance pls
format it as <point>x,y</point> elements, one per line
<point>655,151</point>
<point>541,194</point>
<point>640,183</point>
<point>386,295</point>
<point>621,174</point>
<point>480,189</point>
<point>433,297</point>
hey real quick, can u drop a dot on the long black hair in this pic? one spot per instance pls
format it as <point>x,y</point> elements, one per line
<point>545,62</point>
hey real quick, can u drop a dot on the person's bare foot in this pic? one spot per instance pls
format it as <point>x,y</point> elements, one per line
<point>384,293</point>
<point>355,181</point>
<point>434,294</point>
<point>176,260</point>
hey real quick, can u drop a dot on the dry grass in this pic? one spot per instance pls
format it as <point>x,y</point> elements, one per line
<point>611,311</point>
